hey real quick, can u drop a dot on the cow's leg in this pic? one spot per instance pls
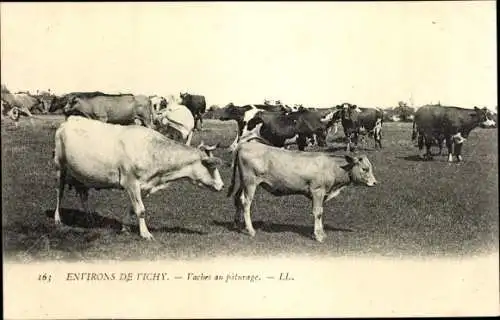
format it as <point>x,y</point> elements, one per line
<point>201,122</point>
<point>421,145</point>
<point>128,213</point>
<point>83,194</point>
<point>233,145</point>
<point>134,192</point>
<point>355,141</point>
<point>189,137</point>
<point>378,137</point>
<point>246,198</point>
<point>440,145</point>
<point>451,148</point>
<point>458,151</point>
<point>239,208</point>
<point>428,146</point>
<point>317,211</point>
<point>348,146</point>
<point>61,175</point>
<point>301,142</point>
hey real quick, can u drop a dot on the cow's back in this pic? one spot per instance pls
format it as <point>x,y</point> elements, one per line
<point>91,151</point>
<point>119,109</point>
<point>430,117</point>
<point>290,165</point>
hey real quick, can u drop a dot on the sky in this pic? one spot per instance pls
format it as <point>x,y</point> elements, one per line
<point>318,54</point>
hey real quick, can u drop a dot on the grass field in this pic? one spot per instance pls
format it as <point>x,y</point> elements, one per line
<point>420,208</point>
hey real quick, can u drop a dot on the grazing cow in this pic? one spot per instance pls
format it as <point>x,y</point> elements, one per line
<point>278,127</point>
<point>112,108</point>
<point>243,114</point>
<point>197,105</point>
<point>176,121</point>
<point>452,124</point>
<point>356,121</point>
<point>318,176</point>
<point>158,103</point>
<point>133,158</point>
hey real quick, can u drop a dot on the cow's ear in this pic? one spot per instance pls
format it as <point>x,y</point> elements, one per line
<point>351,160</point>
<point>212,162</point>
<point>476,108</point>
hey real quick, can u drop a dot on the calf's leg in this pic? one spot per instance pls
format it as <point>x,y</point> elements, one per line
<point>61,174</point>
<point>317,211</point>
<point>239,208</point>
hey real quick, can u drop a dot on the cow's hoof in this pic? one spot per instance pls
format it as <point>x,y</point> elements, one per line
<point>251,233</point>
<point>125,229</point>
<point>58,222</point>
<point>320,237</point>
<point>147,236</point>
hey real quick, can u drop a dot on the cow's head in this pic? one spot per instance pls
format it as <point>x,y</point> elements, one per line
<point>232,112</point>
<point>70,104</point>
<point>360,170</point>
<point>205,172</point>
<point>484,117</point>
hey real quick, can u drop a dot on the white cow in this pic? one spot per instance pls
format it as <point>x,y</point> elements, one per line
<point>92,154</point>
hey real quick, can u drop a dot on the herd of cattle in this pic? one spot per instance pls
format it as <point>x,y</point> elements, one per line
<point>142,144</point>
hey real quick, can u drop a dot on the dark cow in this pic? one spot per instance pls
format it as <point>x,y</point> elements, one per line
<point>197,105</point>
<point>242,114</point>
<point>122,109</point>
<point>356,121</point>
<point>453,124</point>
<point>278,127</point>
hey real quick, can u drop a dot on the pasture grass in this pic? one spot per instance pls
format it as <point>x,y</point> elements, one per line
<point>420,208</point>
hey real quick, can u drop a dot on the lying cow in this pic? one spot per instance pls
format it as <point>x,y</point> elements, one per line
<point>278,127</point>
<point>112,108</point>
<point>452,124</point>
<point>243,114</point>
<point>318,176</point>
<point>92,154</point>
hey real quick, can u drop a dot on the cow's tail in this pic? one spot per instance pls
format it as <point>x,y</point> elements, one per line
<point>414,131</point>
<point>235,172</point>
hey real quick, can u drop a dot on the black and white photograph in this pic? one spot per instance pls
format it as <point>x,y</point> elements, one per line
<point>249,159</point>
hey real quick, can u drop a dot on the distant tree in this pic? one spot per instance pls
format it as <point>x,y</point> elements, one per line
<point>213,107</point>
<point>403,111</point>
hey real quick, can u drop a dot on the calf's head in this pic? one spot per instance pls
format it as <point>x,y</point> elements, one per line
<point>361,170</point>
<point>205,172</point>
